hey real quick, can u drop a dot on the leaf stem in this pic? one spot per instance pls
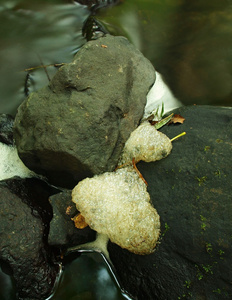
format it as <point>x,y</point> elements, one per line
<point>179,135</point>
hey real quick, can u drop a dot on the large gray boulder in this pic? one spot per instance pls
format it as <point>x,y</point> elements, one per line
<point>77,126</point>
<point>191,190</point>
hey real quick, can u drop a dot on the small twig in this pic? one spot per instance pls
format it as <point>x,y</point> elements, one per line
<point>135,167</point>
<point>137,170</point>
<point>122,166</point>
<point>43,66</point>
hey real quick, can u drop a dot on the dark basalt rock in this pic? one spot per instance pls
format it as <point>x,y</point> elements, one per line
<point>191,190</point>
<point>24,218</point>
<point>63,232</point>
<point>77,126</point>
<point>96,4</point>
<point>6,129</point>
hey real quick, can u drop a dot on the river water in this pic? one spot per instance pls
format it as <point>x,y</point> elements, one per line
<point>188,42</point>
<point>35,33</point>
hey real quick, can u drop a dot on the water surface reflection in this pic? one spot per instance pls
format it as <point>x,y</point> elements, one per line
<point>189,43</point>
<point>35,33</point>
<point>86,278</point>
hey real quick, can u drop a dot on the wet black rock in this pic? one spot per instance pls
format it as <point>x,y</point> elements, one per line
<point>77,126</point>
<point>62,231</point>
<point>191,190</point>
<point>96,4</point>
<point>6,129</point>
<point>24,217</point>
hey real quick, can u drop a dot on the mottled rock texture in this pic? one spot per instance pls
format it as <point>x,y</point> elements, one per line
<point>77,126</point>
<point>6,129</point>
<point>62,232</point>
<point>191,190</point>
<point>24,219</point>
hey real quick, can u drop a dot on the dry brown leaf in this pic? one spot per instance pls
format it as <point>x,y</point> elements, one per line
<point>153,122</point>
<point>79,221</point>
<point>177,119</point>
<point>68,210</point>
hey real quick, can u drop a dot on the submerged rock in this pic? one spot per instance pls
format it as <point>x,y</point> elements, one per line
<point>77,126</point>
<point>191,190</point>
<point>24,219</point>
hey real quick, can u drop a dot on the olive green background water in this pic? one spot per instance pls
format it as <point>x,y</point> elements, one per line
<point>189,43</point>
<point>34,33</point>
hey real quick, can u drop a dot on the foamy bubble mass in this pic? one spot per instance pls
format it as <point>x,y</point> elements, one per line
<point>11,165</point>
<point>117,204</point>
<point>146,143</point>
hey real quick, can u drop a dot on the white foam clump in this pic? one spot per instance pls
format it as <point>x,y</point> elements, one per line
<point>160,94</point>
<point>11,165</point>
<point>147,144</point>
<point>117,204</point>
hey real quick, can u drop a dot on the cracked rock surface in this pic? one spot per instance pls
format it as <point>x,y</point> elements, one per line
<point>76,126</point>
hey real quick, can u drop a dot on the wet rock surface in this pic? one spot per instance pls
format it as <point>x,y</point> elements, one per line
<point>6,129</point>
<point>77,126</point>
<point>63,232</point>
<point>191,190</point>
<point>25,214</point>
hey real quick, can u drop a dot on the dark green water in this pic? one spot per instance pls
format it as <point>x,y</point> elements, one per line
<point>188,42</point>
<point>35,33</point>
<point>87,278</point>
<point>84,277</point>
